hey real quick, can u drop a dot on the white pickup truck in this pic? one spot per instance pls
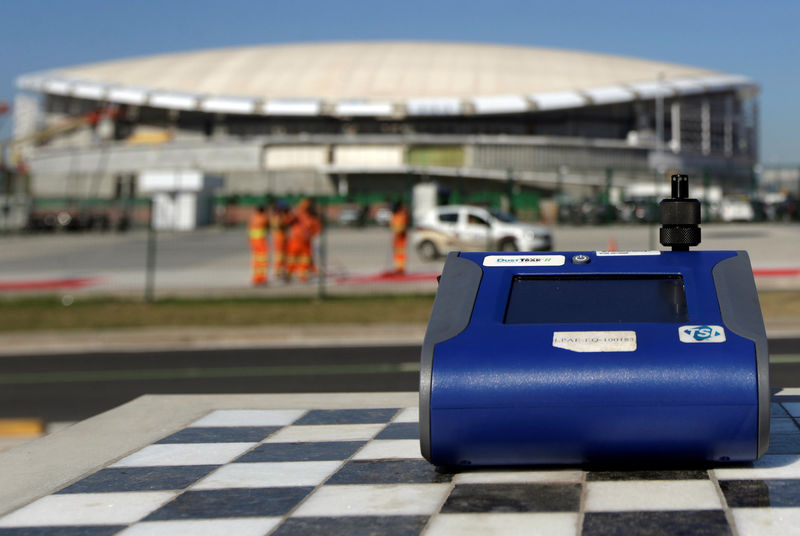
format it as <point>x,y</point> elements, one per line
<point>470,228</point>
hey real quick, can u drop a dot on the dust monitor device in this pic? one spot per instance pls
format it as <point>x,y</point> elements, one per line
<point>597,356</point>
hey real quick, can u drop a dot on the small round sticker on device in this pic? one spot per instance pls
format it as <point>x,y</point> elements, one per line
<point>701,333</point>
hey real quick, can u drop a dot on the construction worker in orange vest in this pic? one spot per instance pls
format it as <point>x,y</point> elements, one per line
<point>305,226</point>
<point>257,234</point>
<point>399,226</point>
<point>279,221</point>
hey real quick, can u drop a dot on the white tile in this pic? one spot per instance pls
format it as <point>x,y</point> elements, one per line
<point>185,454</point>
<point>250,417</point>
<point>208,527</point>
<point>268,474</point>
<point>792,407</point>
<point>408,415</point>
<point>87,509</point>
<point>375,500</point>
<point>651,495</point>
<point>498,477</point>
<point>541,524</point>
<point>770,466</point>
<point>389,449</point>
<point>326,432</point>
<point>766,521</point>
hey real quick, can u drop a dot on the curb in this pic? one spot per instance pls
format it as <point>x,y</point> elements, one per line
<point>205,337</point>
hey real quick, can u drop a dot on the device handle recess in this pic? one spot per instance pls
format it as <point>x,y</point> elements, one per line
<point>680,217</point>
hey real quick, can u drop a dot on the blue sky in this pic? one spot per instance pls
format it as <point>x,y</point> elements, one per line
<point>759,40</point>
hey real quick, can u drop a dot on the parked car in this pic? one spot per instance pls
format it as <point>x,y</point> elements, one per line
<point>352,216</point>
<point>638,210</point>
<point>736,208</point>
<point>469,228</point>
<point>586,212</point>
<point>383,216</point>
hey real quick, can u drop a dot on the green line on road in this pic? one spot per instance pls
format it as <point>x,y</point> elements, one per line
<point>785,358</point>
<point>188,373</point>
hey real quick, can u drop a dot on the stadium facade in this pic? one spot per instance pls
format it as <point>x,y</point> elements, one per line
<point>353,120</point>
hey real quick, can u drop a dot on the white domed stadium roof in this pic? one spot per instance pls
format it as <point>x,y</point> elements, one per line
<point>380,78</point>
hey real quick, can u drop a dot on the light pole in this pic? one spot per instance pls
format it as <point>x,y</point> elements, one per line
<point>659,146</point>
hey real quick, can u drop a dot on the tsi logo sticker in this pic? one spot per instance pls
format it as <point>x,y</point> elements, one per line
<point>701,333</point>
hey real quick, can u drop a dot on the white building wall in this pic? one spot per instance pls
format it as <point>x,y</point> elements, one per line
<point>295,157</point>
<point>122,159</point>
<point>369,155</point>
<point>27,116</point>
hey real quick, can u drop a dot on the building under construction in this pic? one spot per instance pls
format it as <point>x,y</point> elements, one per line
<point>364,121</point>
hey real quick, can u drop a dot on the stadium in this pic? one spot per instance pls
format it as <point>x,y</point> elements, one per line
<point>361,122</point>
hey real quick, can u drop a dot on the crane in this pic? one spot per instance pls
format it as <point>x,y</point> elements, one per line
<point>14,167</point>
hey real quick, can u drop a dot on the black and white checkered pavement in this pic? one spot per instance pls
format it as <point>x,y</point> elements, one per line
<point>359,471</point>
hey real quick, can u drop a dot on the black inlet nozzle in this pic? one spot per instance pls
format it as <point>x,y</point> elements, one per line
<point>680,217</point>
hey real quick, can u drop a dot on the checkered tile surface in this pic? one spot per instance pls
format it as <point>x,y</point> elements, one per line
<point>359,471</point>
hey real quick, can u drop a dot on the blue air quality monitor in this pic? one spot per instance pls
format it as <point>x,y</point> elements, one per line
<point>597,356</point>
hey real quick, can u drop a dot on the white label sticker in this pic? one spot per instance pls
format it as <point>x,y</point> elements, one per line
<point>524,260</point>
<point>626,253</point>
<point>595,341</point>
<point>703,333</point>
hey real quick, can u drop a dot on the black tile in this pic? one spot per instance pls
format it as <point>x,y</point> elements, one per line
<point>352,526</point>
<point>505,498</point>
<point>692,474</point>
<point>388,472</point>
<point>776,410</point>
<point>221,434</point>
<point>224,503</point>
<point>347,416</point>
<point>687,523</point>
<point>302,452</point>
<point>140,479</point>
<point>761,493</point>
<point>784,444</point>
<point>400,430</point>
<point>779,425</point>
<point>84,530</point>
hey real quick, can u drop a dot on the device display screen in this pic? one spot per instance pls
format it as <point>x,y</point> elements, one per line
<point>593,299</point>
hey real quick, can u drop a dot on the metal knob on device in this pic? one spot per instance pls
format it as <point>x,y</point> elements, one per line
<point>680,217</point>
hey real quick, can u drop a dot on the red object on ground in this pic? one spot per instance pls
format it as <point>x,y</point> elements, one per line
<point>4,108</point>
<point>49,284</point>
<point>388,277</point>
<point>776,272</point>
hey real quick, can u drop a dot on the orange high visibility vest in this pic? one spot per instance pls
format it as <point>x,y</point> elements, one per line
<point>257,226</point>
<point>399,221</point>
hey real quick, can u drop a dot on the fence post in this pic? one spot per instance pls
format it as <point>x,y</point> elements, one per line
<point>607,218</point>
<point>510,191</point>
<point>654,203</point>
<point>323,249</point>
<point>150,274</point>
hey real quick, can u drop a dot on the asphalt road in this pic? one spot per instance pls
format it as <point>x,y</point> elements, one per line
<point>215,259</point>
<point>76,386</point>
<point>72,387</point>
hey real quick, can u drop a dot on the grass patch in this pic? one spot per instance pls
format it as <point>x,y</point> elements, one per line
<point>776,303</point>
<point>95,313</point>
<point>48,313</point>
